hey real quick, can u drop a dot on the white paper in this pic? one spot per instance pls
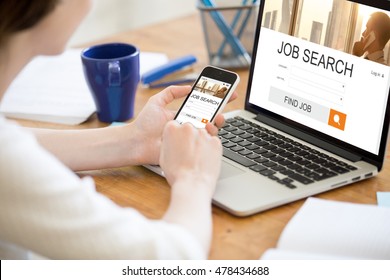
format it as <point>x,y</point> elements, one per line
<point>53,89</point>
<point>328,229</point>
<point>151,60</point>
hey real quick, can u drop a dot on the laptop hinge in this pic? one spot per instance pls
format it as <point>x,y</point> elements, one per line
<point>308,138</point>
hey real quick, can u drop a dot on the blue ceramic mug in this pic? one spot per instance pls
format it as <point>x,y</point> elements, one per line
<point>112,74</point>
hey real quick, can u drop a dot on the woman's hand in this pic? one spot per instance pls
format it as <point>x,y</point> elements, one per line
<point>152,119</point>
<point>190,154</point>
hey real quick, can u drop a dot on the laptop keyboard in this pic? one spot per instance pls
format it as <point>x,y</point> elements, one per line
<point>276,156</point>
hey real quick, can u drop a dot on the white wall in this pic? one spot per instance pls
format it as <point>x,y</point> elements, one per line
<point>112,16</point>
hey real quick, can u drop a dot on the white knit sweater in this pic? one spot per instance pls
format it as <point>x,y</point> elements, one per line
<point>47,209</point>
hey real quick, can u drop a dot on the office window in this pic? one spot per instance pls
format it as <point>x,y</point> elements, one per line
<point>278,15</point>
<point>316,32</point>
<point>325,23</point>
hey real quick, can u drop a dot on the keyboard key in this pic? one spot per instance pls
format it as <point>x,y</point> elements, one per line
<point>244,143</point>
<point>253,139</point>
<point>222,132</point>
<point>301,179</point>
<point>237,139</point>
<point>278,151</point>
<point>261,160</point>
<point>290,186</point>
<point>245,152</point>
<point>253,156</point>
<point>325,176</point>
<point>230,120</point>
<point>277,158</point>
<point>268,138</point>
<point>245,127</point>
<point>350,167</point>
<point>267,172</point>
<point>277,142</point>
<point>285,162</point>
<point>322,170</point>
<point>237,149</point>
<point>270,147</point>
<point>253,130</point>
<point>328,164</point>
<point>237,158</point>
<point>268,155</point>
<point>258,168</point>
<point>293,149</point>
<point>260,151</point>
<point>287,172</point>
<point>229,145</point>
<point>287,180</point>
<point>302,153</point>
<point>285,146</point>
<point>279,168</point>
<point>297,159</point>
<point>269,164</point>
<point>339,169</point>
<point>261,143</point>
<point>246,136</point>
<point>286,154</point>
<point>230,128</point>
<point>252,147</point>
<point>237,123</point>
<point>303,162</point>
<point>224,141</point>
<point>229,136</point>
<point>319,160</point>
<point>313,166</point>
<point>238,132</point>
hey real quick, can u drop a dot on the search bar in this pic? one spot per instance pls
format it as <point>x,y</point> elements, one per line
<point>316,85</point>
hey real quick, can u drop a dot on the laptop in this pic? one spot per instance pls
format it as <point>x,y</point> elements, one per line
<point>316,117</point>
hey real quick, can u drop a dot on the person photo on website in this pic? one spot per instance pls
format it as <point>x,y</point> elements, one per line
<point>374,38</point>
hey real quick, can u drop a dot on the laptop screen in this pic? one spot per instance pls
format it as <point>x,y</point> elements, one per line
<point>323,65</point>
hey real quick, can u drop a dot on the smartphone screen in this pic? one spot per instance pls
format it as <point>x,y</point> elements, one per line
<point>208,96</point>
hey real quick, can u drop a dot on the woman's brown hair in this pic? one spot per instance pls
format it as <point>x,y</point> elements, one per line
<point>20,15</point>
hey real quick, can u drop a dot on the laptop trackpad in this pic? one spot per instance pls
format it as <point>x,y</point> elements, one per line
<point>229,170</point>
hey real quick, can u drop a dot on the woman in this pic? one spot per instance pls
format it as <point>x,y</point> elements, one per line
<point>47,209</point>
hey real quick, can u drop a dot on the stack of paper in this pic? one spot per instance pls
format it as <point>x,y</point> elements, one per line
<point>324,229</point>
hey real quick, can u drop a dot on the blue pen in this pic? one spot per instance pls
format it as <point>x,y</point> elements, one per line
<point>236,45</point>
<point>168,68</point>
<point>186,79</point>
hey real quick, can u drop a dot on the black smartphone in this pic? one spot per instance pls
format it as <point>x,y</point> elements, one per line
<point>209,95</point>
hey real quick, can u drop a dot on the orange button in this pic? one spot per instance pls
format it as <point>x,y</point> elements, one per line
<point>205,121</point>
<point>337,119</point>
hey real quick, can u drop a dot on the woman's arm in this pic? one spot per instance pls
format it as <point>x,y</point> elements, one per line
<point>91,149</point>
<point>191,160</point>
<point>136,143</point>
<point>132,144</point>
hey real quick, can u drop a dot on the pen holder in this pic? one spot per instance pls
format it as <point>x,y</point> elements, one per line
<point>229,31</point>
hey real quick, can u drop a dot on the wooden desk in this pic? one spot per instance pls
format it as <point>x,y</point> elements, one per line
<point>233,238</point>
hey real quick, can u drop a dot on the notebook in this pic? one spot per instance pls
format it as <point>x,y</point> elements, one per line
<point>316,117</point>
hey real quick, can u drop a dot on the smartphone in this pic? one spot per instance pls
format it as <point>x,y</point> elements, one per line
<point>209,95</point>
